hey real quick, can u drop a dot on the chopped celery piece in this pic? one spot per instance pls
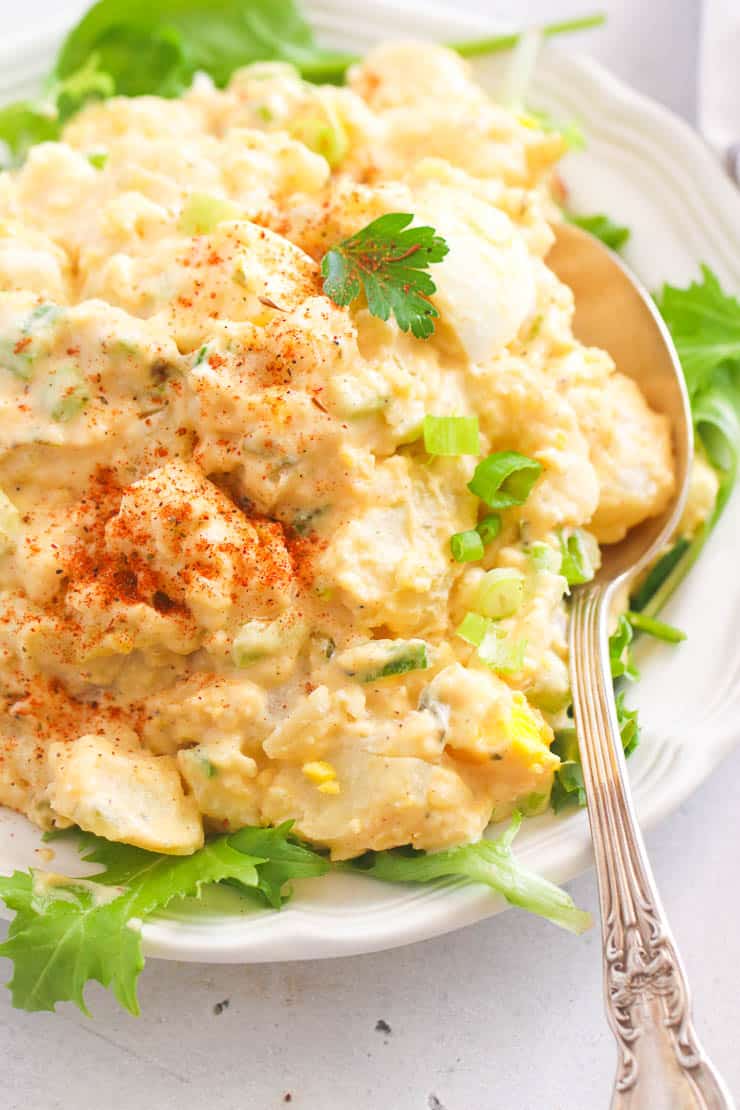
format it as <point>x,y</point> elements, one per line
<point>202,214</point>
<point>451,435</point>
<point>379,659</point>
<point>67,394</point>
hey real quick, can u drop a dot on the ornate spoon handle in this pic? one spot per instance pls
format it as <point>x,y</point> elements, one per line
<point>662,1065</point>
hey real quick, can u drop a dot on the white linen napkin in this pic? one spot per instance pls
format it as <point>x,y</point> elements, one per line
<point>719,80</point>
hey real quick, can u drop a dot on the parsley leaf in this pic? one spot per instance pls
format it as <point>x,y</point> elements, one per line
<point>388,260</point>
<point>612,235</point>
<point>67,932</point>
<point>487,861</point>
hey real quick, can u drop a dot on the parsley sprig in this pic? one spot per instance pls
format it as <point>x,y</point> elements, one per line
<point>388,261</point>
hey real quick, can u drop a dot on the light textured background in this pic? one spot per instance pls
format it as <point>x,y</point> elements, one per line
<point>504,1015</point>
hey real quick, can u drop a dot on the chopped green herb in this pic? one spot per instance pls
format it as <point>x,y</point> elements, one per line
<point>500,593</point>
<point>451,435</point>
<point>504,479</point>
<point>620,651</point>
<point>658,629</point>
<point>379,659</point>
<point>629,727</point>
<point>568,787</point>
<point>544,557</point>
<point>388,260</point>
<point>98,159</point>
<point>577,565</point>
<point>473,628</point>
<point>19,351</point>
<point>658,574</point>
<point>466,546</point>
<point>67,393</point>
<point>489,527</point>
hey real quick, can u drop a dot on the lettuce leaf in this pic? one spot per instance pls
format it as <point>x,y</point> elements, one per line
<point>155,47</point>
<point>704,322</point>
<point>67,932</point>
<point>612,235</point>
<point>491,862</point>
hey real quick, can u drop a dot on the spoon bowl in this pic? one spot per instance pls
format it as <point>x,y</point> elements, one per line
<point>615,312</point>
<point>661,1063</point>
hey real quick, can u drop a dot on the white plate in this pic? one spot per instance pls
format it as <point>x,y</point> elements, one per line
<point>651,172</point>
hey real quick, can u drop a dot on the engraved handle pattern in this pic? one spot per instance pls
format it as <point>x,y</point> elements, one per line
<point>661,1063</point>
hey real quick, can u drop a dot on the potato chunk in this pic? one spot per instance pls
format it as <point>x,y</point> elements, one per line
<point>125,794</point>
<point>208,554</point>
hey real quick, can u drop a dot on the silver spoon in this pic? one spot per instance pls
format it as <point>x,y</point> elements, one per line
<point>661,1065</point>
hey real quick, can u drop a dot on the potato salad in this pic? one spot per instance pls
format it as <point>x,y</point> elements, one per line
<point>271,548</point>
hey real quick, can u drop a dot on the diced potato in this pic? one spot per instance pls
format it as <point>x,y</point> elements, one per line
<point>124,793</point>
<point>382,801</point>
<point>208,554</point>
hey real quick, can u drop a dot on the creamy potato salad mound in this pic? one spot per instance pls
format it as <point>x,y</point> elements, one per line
<point>229,593</point>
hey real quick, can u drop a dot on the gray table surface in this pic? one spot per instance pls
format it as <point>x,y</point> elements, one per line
<point>506,1014</point>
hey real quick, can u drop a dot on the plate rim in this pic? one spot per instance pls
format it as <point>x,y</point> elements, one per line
<point>295,933</point>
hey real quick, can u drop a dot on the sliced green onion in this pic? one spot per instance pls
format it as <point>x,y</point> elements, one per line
<point>502,654</point>
<point>97,159</point>
<point>495,648</point>
<point>466,546</point>
<point>505,479</point>
<point>659,629</point>
<point>473,628</point>
<point>203,213</point>
<point>451,435</point>
<point>500,593</point>
<point>489,528</point>
<point>544,557</point>
<point>578,562</point>
<point>658,575</point>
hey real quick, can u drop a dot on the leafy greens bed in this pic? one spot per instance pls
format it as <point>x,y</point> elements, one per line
<point>67,932</point>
